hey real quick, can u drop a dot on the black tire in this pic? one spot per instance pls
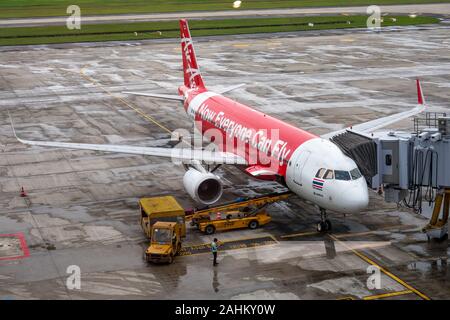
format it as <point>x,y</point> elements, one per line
<point>253,224</point>
<point>210,229</point>
<point>328,225</point>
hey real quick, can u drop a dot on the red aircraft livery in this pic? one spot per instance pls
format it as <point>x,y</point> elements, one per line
<point>312,167</point>
<point>265,142</point>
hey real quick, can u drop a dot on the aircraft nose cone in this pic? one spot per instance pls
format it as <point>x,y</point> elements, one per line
<point>356,198</point>
<point>362,197</point>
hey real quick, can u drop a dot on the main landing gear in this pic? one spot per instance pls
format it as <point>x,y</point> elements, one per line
<point>324,225</point>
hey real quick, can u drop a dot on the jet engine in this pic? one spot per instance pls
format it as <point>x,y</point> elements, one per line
<point>203,187</point>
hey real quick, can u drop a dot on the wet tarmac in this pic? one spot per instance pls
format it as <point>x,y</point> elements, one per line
<point>81,206</point>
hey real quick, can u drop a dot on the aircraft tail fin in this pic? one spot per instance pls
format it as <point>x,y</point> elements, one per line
<point>192,77</point>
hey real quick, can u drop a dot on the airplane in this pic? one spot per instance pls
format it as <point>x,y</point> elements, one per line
<point>312,167</point>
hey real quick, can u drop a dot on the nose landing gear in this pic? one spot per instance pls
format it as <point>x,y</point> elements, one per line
<point>324,225</point>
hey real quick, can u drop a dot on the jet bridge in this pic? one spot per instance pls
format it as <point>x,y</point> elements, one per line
<point>411,168</point>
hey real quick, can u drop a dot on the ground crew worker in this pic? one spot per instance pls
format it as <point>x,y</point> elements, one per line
<point>214,246</point>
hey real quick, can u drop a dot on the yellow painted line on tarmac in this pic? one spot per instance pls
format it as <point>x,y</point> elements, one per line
<point>274,239</point>
<point>301,234</point>
<point>387,295</point>
<point>355,234</point>
<point>241,45</point>
<point>339,235</point>
<point>365,233</point>
<point>249,238</point>
<point>244,246</point>
<point>233,240</point>
<point>382,269</point>
<point>129,105</point>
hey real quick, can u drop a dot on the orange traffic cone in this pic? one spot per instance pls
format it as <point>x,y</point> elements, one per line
<point>22,192</point>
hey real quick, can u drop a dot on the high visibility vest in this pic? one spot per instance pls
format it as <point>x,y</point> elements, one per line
<point>213,247</point>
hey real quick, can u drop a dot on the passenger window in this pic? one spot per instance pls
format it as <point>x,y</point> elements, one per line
<point>342,175</point>
<point>329,174</point>
<point>320,173</point>
<point>355,173</point>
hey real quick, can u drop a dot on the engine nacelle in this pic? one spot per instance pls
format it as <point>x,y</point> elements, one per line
<point>202,187</point>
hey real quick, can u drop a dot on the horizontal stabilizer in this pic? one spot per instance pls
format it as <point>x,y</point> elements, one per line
<point>228,89</point>
<point>155,95</point>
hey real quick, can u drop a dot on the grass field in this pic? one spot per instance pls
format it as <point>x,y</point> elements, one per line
<point>170,29</point>
<point>43,8</point>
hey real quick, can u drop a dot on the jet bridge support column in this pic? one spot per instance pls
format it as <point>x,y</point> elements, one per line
<point>438,228</point>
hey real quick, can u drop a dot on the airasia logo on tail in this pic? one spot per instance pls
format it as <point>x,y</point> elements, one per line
<point>191,70</point>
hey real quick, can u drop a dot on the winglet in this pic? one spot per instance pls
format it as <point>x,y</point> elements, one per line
<point>14,130</point>
<point>12,126</point>
<point>420,98</point>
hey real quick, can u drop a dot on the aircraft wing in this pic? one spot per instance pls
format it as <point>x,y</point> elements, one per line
<point>379,123</point>
<point>186,155</point>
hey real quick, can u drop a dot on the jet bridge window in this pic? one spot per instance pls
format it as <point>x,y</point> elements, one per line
<point>342,175</point>
<point>388,159</point>
<point>320,172</point>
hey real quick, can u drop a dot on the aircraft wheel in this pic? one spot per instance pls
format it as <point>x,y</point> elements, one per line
<point>210,229</point>
<point>328,225</point>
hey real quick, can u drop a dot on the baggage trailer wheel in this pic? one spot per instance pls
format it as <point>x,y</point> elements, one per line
<point>253,224</point>
<point>210,229</point>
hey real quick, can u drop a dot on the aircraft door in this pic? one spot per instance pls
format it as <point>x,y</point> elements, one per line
<point>300,162</point>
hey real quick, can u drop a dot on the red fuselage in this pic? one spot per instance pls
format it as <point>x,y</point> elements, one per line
<point>244,131</point>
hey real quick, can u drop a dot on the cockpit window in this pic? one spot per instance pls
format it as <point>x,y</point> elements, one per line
<point>329,174</point>
<point>355,174</point>
<point>320,173</point>
<point>342,175</point>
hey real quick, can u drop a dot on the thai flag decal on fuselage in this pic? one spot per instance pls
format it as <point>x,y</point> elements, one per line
<point>317,184</point>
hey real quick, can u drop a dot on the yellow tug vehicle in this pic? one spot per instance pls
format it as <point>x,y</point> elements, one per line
<point>163,221</point>
<point>165,242</point>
